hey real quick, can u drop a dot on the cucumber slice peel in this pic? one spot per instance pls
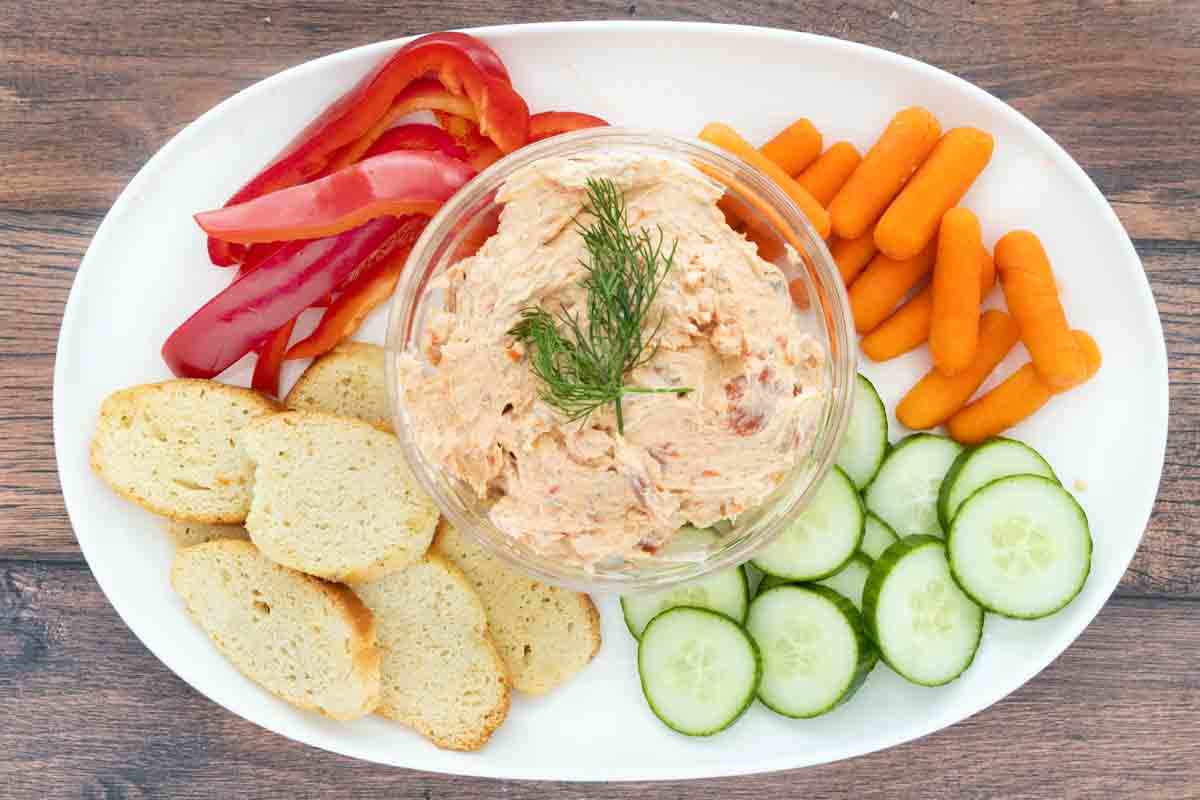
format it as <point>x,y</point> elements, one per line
<point>699,670</point>
<point>877,537</point>
<point>815,651</point>
<point>925,627</point>
<point>850,580</point>
<point>822,538</point>
<point>982,464</point>
<point>726,591</point>
<point>904,493</point>
<point>1021,547</point>
<point>865,442</point>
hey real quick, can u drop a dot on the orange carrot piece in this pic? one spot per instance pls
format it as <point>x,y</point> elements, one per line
<point>908,328</point>
<point>954,329</point>
<point>1019,396</point>
<point>937,397</point>
<point>829,173</point>
<point>883,172</point>
<point>794,147</point>
<point>883,284</point>
<point>911,221</point>
<point>852,255</point>
<point>770,246</point>
<point>1032,298</point>
<point>727,138</point>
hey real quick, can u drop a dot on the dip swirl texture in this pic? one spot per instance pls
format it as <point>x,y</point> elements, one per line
<point>581,491</point>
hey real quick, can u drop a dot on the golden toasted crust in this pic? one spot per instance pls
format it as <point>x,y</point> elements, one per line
<point>171,448</point>
<point>187,534</point>
<point>286,631</point>
<point>349,381</point>
<point>545,634</point>
<point>333,497</point>
<point>443,675</point>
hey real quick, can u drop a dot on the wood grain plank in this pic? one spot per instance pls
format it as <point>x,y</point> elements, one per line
<point>126,727</point>
<point>171,62</point>
<point>90,89</point>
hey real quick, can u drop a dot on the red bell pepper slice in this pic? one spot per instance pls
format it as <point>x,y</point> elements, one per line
<point>397,183</point>
<point>484,57</point>
<point>416,137</point>
<point>551,123</point>
<point>482,152</point>
<point>421,95</point>
<point>270,359</point>
<point>503,114</point>
<point>360,296</point>
<point>241,317</point>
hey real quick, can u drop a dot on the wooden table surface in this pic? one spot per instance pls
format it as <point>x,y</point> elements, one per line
<point>89,90</point>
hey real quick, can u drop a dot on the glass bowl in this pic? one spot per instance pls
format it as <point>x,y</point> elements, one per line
<point>778,225</point>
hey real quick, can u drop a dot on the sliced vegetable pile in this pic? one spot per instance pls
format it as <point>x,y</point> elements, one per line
<point>898,558</point>
<point>892,219</point>
<point>330,222</point>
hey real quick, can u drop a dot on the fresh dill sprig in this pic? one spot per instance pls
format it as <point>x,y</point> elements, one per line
<point>583,362</point>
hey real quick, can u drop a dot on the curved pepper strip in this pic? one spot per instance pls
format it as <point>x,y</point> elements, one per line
<point>483,56</point>
<point>241,317</point>
<point>358,298</point>
<point>395,184</point>
<point>270,359</point>
<point>416,136</point>
<point>545,124</point>
<point>503,115</point>
<point>422,95</point>
<point>481,151</point>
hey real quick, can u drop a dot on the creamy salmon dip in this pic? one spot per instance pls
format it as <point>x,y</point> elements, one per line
<point>581,491</point>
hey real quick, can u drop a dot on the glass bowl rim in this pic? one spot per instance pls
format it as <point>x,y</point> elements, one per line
<point>837,324</point>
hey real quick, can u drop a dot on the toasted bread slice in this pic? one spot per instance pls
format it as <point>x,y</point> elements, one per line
<point>188,534</point>
<point>171,448</point>
<point>308,642</point>
<point>348,381</point>
<point>334,498</point>
<point>545,633</point>
<point>442,674</point>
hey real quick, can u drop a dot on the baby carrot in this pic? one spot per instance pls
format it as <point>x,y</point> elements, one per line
<point>830,172</point>
<point>1021,394</point>
<point>936,397</point>
<point>727,138</point>
<point>909,327</point>
<point>888,164</point>
<point>770,246</point>
<point>1032,297</point>
<point>852,255</point>
<point>954,329</point>
<point>883,284</point>
<point>794,147</point>
<point>911,221</point>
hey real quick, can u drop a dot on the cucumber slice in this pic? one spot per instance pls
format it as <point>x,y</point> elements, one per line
<point>866,439</point>
<point>770,582</point>
<point>822,539</point>
<point>877,537</point>
<point>815,651</point>
<point>850,579</point>
<point>726,591</point>
<point>1021,547</point>
<point>699,669</point>
<point>924,626</point>
<point>983,464</point>
<point>905,492</point>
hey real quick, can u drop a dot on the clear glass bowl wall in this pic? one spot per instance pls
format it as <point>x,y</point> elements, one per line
<point>457,230</point>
